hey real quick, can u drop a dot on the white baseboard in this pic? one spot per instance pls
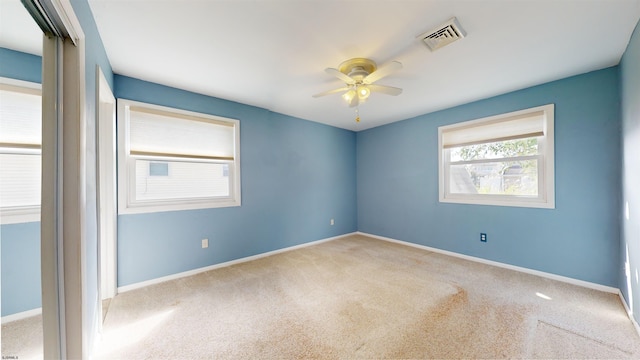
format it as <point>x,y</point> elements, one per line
<point>21,315</point>
<point>547,275</point>
<point>629,312</point>
<point>224,264</point>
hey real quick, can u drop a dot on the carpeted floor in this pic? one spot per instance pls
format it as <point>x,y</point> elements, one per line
<point>358,297</point>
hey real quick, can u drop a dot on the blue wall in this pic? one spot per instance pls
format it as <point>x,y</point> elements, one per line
<point>397,168</point>
<point>20,243</point>
<point>630,244</point>
<point>21,66</point>
<point>296,176</point>
<point>21,286</point>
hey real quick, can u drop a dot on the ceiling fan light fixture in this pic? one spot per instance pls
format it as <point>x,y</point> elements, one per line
<point>348,96</point>
<point>363,92</point>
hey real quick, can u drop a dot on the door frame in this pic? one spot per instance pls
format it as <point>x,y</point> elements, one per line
<point>107,192</point>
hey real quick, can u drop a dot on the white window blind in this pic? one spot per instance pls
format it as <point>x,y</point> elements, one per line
<point>159,133</point>
<point>511,128</point>
<point>19,181</point>
<point>20,116</point>
<point>20,151</point>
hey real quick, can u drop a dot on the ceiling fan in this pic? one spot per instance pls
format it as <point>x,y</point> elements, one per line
<point>359,75</point>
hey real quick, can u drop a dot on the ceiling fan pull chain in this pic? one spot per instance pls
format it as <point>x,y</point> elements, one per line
<point>357,114</point>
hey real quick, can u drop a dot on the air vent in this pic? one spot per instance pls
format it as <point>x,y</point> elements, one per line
<point>443,35</point>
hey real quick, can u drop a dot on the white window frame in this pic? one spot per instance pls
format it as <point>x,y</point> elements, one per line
<point>126,166</point>
<point>22,214</point>
<point>546,183</point>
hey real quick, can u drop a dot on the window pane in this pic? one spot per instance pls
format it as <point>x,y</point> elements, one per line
<point>19,180</point>
<point>183,180</point>
<point>518,178</point>
<point>496,150</point>
<point>158,169</point>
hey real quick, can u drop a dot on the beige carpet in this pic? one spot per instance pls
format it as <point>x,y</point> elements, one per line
<point>22,339</point>
<point>364,298</point>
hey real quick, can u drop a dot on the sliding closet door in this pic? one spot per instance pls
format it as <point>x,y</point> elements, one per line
<point>63,206</point>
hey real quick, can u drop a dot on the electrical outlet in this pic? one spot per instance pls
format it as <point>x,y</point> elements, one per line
<point>205,243</point>
<point>483,237</point>
<point>331,222</point>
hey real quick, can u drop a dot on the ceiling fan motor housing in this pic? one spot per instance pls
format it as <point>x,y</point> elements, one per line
<point>358,68</point>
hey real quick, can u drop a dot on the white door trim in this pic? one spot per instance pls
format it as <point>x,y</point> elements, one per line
<point>106,167</point>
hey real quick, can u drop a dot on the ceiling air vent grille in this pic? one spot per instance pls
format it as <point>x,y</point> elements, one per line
<point>443,35</point>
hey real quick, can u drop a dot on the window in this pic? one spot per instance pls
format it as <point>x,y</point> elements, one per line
<point>20,151</point>
<point>501,160</point>
<point>170,159</point>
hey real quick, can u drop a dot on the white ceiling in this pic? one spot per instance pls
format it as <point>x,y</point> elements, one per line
<point>272,53</point>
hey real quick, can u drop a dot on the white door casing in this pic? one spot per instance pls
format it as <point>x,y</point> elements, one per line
<point>107,206</point>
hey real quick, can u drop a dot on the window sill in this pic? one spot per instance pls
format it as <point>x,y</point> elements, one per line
<point>18,216</point>
<point>500,201</point>
<point>152,207</point>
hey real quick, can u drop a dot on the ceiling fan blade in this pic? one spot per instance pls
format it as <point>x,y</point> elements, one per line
<point>389,90</point>
<point>329,92</point>
<point>382,71</point>
<point>335,72</point>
